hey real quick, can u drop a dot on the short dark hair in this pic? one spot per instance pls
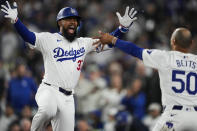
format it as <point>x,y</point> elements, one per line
<point>182,37</point>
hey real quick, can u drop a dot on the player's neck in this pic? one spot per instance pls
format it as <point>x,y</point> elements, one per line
<point>183,50</point>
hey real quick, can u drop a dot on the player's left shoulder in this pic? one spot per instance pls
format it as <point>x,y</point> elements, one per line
<point>56,34</point>
<point>86,40</point>
<point>155,52</point>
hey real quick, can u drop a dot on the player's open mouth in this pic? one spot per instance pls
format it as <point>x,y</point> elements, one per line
<point>71,29</point>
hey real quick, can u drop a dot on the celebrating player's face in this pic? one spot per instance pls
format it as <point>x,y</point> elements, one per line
<point>68,28</point>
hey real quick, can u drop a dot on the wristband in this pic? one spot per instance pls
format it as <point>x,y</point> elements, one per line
<point>16,20</point>
<point>123,29</point>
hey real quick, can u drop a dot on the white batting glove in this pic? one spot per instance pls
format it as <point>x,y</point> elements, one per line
<point>11,13</point>
<point>129,17</point>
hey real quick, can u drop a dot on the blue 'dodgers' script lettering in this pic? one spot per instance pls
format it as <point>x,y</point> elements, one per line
<point>72,54</point>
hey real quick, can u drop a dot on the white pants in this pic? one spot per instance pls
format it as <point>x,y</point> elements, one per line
<point>185,119</point>
<point>53,106</point>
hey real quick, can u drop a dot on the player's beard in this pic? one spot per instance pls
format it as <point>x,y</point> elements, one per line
<point>70,37</point>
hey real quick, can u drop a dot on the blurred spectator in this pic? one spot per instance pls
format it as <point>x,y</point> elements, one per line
<point>91,94</point>
<point>134,100</point>
<point>14,126</point>
<point>101,58</point>
<point>25,124</point>
<point>4,77</point>
<point>135,32</point>
<point>35,64</point>
<point>137,125</point>
<point>111,121</point>
<point>9,46</point>
<point>95,121</point>
<point>7,118</point>
<point>115,68</point>
<point>154,112</point>
<point>21,90</point>
<point>153,87</point>
<point>26,112</point>
<point>112,96</point>
<point>124,120</point>
<point>82,125</point>
<point>93,99</point>
<point>83,90</point>
<point>95,75</point>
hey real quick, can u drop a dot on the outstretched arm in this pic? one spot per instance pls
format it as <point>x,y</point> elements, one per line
<point>125,21</point>
<point>12,14</point>
<point>129,48</point>
<point>125,46</point>
<point>27,35</point>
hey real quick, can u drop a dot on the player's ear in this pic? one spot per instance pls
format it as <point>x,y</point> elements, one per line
<point>172,43</point>
<point>79,26</point>
<point>59,23</point>
<point>192,44</point>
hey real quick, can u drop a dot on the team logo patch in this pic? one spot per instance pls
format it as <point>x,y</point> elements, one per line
<point>149,51</point>
<point>62,55</point>
<point>72,11</point>
<point>185,57</point>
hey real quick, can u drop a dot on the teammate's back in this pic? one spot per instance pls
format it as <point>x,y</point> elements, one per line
<point>178,78</point>
<point>177,72</point>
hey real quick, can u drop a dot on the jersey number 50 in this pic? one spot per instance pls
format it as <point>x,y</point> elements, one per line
<point>185,84</point>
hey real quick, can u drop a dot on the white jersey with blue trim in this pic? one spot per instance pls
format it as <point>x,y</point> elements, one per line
<point>63,60</point>
<point>178,75</point>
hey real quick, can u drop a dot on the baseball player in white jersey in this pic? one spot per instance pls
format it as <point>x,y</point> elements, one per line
<point>63,56</point>
<point>178,75</point>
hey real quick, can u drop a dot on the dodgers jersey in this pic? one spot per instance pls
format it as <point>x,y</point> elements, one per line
<point>178,75</point>
<point>63,60</point>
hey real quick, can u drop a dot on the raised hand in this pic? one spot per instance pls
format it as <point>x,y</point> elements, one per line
<point>11,13</point>
<point>128,18</point>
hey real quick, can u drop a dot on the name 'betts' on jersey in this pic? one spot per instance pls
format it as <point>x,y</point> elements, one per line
<point>63,60</point>
<point>178,75</point>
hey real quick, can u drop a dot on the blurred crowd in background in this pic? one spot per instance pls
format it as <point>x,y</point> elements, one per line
<point>115,91</point>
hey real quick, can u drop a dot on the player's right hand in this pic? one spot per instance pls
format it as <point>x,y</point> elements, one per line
<point>104,39</point>
<point>11,13</point>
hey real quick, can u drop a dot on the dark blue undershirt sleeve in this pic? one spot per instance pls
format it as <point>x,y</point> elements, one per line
<point>27,35</point>
<point>129,48</point>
